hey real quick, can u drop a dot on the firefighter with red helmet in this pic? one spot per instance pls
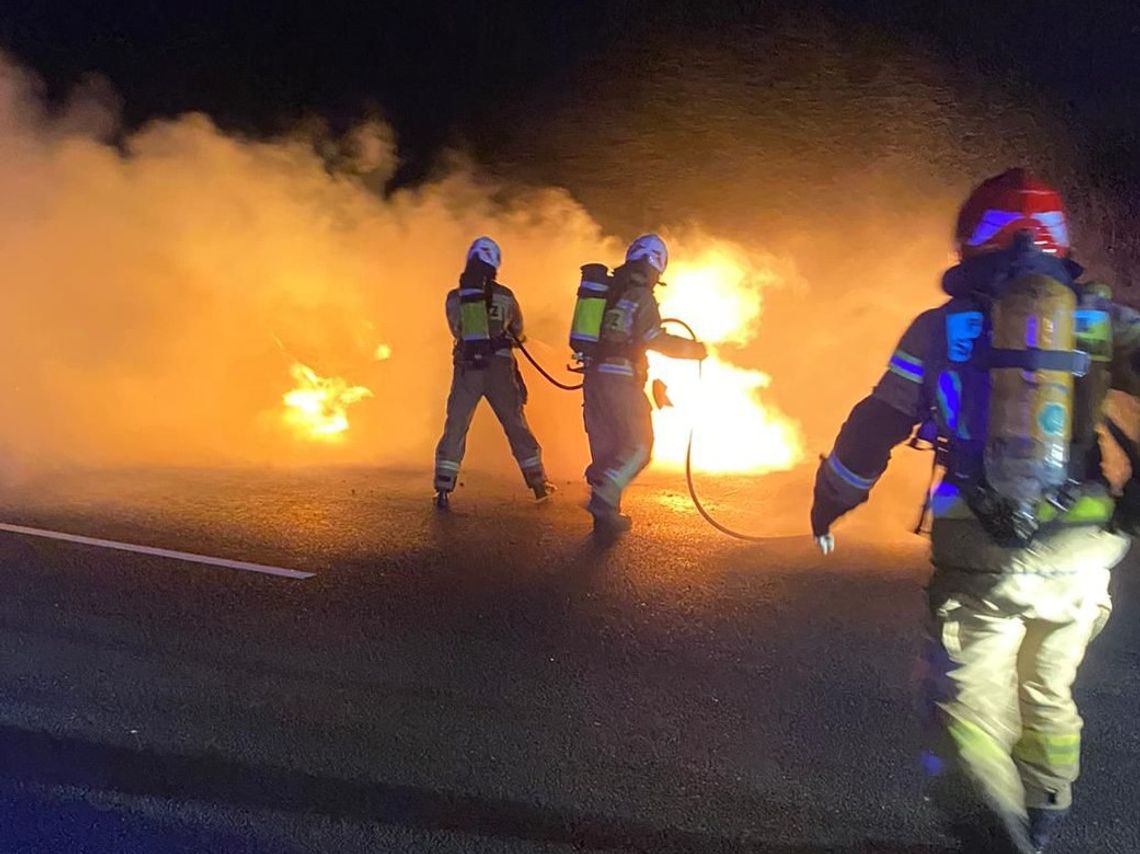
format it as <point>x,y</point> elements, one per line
<point>1011,375</point>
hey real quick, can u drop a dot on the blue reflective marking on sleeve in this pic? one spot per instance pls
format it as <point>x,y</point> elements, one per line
<point>906,366</point>
<point>619,370</point>
<point>849,477</point>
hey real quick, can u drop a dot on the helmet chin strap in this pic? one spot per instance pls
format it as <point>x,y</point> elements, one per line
<point>640,268</point>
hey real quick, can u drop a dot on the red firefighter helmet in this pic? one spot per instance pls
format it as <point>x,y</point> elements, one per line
<point>1006,204</point>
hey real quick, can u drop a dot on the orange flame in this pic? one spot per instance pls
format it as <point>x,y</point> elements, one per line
<point>720,295</point>
<point>316,409</point>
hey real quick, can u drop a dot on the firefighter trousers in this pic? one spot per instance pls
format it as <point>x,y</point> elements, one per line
<point>1003,652</point>
<point>619,427</point>
<point>500,383</point>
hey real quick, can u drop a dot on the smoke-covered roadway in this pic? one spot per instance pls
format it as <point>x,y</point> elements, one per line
<point>483,681</point>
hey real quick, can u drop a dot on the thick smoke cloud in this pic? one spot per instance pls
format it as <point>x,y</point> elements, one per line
<point>159,289</point>
<point>160,283</point>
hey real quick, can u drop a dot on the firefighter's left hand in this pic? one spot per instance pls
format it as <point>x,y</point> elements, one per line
<point>823,514</point>
<point>826,543</point>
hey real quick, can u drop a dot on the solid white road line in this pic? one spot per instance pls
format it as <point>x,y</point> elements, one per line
<point>156,552</point>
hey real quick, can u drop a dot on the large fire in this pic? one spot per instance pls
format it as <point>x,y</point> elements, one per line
<point>719,294</point>
<point>316,408</point>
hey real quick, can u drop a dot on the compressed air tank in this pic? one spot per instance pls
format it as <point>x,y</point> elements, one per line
<point>589,310</point>
<point>1031,389</point>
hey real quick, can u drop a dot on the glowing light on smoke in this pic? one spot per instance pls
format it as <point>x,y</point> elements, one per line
<point>720,294</point>
<point>316,408</point>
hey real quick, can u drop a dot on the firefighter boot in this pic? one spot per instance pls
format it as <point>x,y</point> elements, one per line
<point>543,491</point>
<point>609,523</point>
<point>978,824</point>
<point>1043,826</point>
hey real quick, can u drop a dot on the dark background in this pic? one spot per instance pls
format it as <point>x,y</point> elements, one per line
<point>494,79</point>
<point>443,70</point>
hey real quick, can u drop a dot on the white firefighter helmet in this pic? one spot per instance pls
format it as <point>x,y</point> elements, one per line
<point>652,248</point>
<point>487,250</point>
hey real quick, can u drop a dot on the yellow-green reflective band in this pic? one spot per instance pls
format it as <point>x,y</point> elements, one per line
<point>1088,510</point>
<point>473,322</point>
<point>1051,751</point>
<point>622,475</point>
<point>973,742</point>
<point>588,314</point>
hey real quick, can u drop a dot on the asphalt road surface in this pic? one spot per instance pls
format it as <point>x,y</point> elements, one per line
<point>488,680</point>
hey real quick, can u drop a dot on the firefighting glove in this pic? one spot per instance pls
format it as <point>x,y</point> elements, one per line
<point>825,509</point>
<point>822,515</point>
<point>826,543</point>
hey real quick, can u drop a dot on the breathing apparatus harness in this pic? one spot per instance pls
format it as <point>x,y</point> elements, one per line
<point>597,293</point>
<point>476,298</point>
<point>598,287</point>
<point>1028,357</point>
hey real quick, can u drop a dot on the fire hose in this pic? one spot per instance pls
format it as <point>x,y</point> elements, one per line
<point>704,513</point>
<point>542,370</point>
<point>724,529</point>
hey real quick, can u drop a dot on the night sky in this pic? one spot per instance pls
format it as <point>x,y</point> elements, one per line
<point>438,69</point>
<point>479,75</point>
<point>842,136</point>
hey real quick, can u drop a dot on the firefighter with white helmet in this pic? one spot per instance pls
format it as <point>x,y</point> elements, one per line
<point>485,321</point>
<point>615,322</point>
<point>1011,374</point>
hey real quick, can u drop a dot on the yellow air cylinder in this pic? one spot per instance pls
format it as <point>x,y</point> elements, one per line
<point>586,328</point>
<point>1031,408</point>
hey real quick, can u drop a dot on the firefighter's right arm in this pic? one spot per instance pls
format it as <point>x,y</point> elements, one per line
<point>875,426</point>
<point>451,309</point>
<point>647,328</point>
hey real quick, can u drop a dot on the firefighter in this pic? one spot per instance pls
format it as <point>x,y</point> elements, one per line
<point>1011,374</point>
<point>615,407</point>
<point>485,321</point>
